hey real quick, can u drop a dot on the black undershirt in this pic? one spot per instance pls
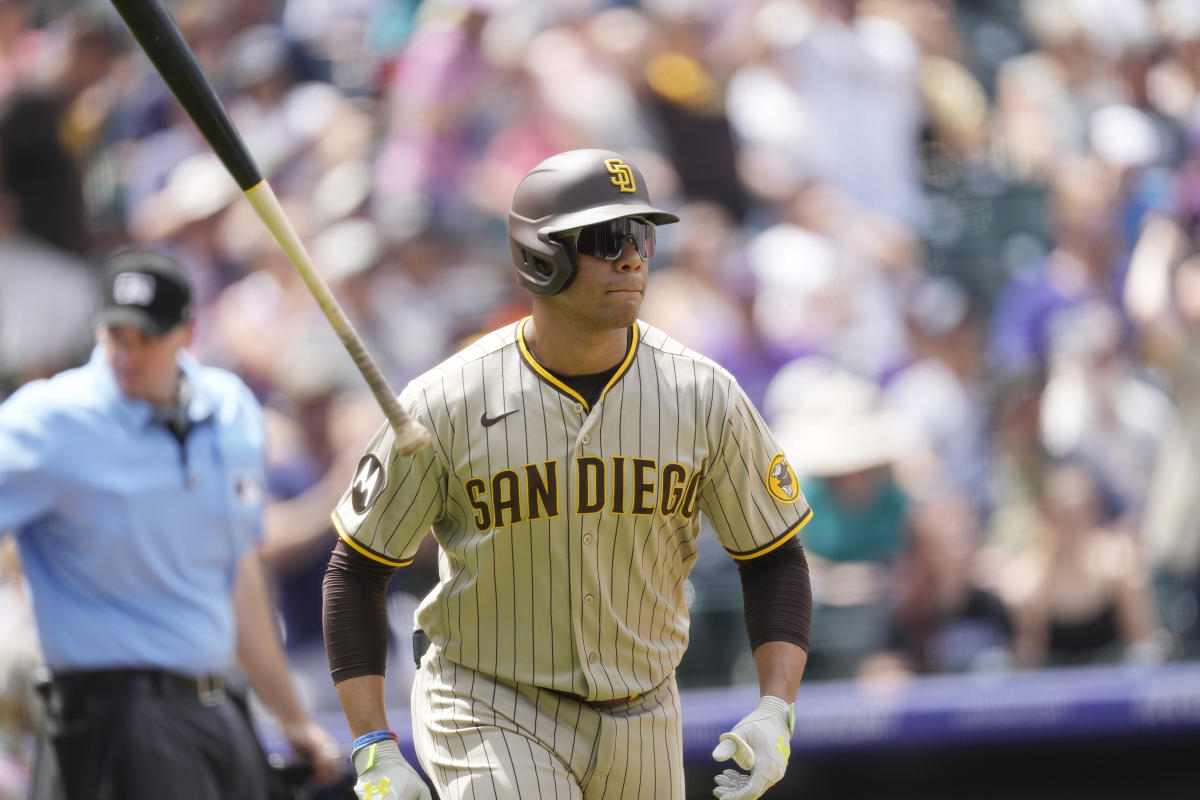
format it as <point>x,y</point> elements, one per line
<point>588,387</point>
<point>591,386</point>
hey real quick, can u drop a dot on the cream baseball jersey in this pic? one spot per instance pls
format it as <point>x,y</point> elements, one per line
<point>567,531</point>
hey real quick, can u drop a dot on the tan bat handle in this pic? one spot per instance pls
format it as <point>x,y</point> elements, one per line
<point>409,436</point>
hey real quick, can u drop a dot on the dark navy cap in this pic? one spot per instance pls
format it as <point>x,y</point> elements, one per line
<point>147,290</point>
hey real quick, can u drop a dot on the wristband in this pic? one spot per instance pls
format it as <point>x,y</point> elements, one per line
<point>372,737</point>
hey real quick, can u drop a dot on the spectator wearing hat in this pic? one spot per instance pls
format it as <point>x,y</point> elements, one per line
<point>845,447</point>
<point>135,485</point>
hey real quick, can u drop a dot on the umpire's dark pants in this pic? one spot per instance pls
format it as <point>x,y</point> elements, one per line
<point>145,735</point>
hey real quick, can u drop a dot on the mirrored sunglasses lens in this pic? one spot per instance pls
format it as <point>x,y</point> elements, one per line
<point>607,239</point>
<point>643,237</point>
<point>595,240</point>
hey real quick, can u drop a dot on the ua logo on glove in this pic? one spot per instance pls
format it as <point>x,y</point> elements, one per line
<point>372,790</point>
<point>383,774</point>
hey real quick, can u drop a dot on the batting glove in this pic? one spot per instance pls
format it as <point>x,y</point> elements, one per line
<point>383,774</point>
<point>760,744</point>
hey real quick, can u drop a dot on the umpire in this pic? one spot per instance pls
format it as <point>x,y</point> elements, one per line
<point>134,485</point>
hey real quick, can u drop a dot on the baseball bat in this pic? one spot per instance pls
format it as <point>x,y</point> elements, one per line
<point>171,56</point>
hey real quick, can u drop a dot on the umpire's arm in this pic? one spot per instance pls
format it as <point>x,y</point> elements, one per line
<point>261,655</point>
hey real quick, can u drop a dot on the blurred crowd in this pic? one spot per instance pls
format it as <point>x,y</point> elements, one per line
<point>951,250</point>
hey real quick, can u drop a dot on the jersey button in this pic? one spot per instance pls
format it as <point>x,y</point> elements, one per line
<point>578,408</point>
<point>593,657</point>
<point>587,538</point>
<point>588,599</point>
<point>585,439</point>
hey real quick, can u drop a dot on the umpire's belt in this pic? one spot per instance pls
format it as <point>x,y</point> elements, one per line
<point>207,689</point>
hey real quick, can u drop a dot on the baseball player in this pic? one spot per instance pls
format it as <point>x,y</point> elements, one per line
<point>572,455</point>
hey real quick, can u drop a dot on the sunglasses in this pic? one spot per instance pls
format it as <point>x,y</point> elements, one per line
<point>607,239</point>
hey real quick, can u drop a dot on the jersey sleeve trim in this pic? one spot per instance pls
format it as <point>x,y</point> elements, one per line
<point>359,548</point>
<point>762,551</point>
<point>545,374</point>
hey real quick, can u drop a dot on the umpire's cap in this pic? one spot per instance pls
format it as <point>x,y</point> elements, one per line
<point>145,289</point>
<point>564,192</point>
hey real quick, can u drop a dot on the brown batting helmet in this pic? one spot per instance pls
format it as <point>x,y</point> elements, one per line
<point>568,191</point>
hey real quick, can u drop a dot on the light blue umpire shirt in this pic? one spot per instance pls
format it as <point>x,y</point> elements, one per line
<point>129,541</point>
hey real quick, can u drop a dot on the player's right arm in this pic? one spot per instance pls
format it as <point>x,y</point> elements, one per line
<point>362,699</point>
<point>355,599</point>
<point>380,522</point>
<point>356,635</point>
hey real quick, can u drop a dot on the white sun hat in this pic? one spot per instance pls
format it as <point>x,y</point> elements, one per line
<point>830,421</point>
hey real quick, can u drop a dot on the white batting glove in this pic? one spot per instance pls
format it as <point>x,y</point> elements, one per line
<point>760,744</point>
<point>383,774</point>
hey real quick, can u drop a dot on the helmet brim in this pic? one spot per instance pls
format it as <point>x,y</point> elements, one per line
<point>591,216</point>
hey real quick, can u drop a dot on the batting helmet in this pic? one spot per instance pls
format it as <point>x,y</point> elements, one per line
<point>564,192</point>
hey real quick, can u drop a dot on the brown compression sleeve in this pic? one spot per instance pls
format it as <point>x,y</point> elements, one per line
<point>776,596</point>
<point>354,597</point>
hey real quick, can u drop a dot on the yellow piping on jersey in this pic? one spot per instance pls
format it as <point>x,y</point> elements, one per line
<point>337,525</point>
<point>562,387</point>
<point>621,370</point>
<point>777,543</point>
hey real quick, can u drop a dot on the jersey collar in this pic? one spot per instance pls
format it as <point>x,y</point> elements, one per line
<point>545,375</point>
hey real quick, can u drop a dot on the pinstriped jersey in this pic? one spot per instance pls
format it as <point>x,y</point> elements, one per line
<point>566,531</point>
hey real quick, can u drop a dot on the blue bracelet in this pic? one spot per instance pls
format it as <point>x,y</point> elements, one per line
<point>374,736</point>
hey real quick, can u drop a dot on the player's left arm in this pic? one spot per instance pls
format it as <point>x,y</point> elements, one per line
<point>780,666</point>
<point>777,600</point>
<point>754,501</point>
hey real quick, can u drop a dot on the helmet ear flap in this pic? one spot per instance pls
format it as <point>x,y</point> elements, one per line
<point>547,270</point>
<point>565,265</point>
<point>540,266</point>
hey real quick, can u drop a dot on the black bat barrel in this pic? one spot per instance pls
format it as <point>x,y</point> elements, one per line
<point>161,40</point>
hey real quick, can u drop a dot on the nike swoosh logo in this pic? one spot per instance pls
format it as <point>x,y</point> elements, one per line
<point>488,422</point>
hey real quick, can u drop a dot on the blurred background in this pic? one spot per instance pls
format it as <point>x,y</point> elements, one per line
<point>950,249</point>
